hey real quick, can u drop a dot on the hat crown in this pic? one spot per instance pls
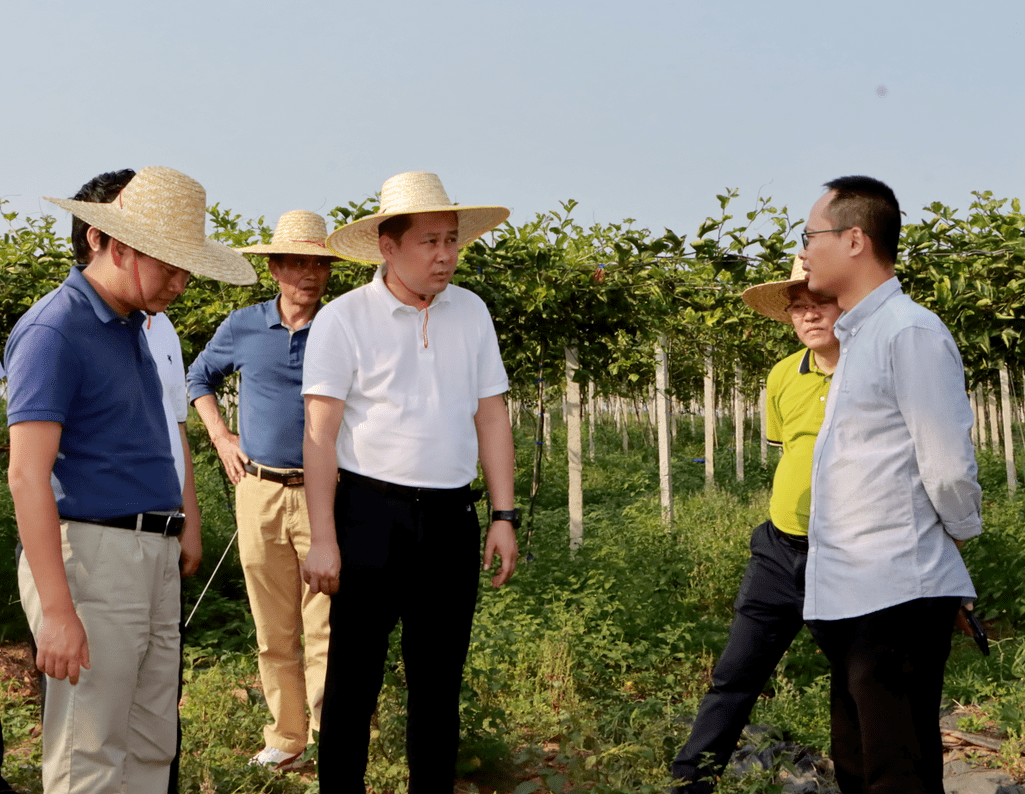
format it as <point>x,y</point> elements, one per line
<point>300,226</point>
<point>413,191</point>
<point>165,202</point>
<point>797,271</point>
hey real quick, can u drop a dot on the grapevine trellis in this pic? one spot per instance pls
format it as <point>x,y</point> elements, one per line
<point>646,323</point>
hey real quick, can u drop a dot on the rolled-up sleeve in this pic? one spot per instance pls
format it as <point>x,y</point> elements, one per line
<point>213,364</point>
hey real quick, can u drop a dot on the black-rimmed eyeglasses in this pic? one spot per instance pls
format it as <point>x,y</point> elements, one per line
<point>806,234</point>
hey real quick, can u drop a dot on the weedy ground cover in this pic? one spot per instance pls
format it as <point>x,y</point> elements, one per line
<point>584,670</point>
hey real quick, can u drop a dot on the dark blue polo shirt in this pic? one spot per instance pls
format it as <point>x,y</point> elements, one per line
<point>73,360</point>
<point>253,341</point>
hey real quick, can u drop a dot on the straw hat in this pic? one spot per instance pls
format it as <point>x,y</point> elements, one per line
<point>297,232</point>
<point>414,191</point>
<point>773,298</point>
<point>162,213</point>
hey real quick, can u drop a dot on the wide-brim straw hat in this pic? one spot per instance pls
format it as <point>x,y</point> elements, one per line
<point>773,298</point>
<point>298,232</point>
<point>404,194</point>
<point>162,213</point>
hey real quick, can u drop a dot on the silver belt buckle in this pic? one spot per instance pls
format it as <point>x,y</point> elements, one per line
<point>167,524</point>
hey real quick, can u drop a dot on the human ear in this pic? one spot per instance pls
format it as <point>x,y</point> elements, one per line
<point>386,245</point>
<point>92,237</point>
<point>858,240</point>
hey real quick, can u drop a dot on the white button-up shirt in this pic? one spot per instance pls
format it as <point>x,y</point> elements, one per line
<point>894,473</point>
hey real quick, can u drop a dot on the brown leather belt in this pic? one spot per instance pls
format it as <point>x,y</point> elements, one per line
<point>289,477</point>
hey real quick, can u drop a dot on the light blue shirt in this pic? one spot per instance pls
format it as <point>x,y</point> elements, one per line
<point>255,342</point>
<point>894,474</point>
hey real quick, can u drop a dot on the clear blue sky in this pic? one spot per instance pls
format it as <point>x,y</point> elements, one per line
<point>635,109</point>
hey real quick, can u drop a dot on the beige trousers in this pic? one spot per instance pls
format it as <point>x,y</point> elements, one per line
<point>273,540</point>
<point>115,730</point>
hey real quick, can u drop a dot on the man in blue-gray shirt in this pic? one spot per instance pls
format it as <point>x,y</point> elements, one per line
<point>95,490</point>
<point>894,494</point>
<point>266,343</point>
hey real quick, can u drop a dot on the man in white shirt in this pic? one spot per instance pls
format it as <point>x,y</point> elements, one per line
<point>894,493</point>
<point>403,384</point>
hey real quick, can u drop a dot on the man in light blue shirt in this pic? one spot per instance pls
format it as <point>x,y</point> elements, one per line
<point>894,494</point>
<point>266,343</point>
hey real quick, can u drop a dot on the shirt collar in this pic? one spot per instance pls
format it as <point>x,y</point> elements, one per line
<point>273,314</point>
<point>807,364</point>
<point>104,313</point>
<point>850,321</point>
<point>393,303</point>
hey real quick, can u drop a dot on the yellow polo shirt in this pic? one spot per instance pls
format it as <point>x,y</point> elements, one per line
<point>796,392</point>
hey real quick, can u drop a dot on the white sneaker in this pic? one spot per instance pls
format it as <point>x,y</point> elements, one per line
<point>274,758</point>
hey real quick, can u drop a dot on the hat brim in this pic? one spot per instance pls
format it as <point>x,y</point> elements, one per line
<point>201,256</point>
<point>358,240</point>
<point>772,299</point>
<point>299,248</point>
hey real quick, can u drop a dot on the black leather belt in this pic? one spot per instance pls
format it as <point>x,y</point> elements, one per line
<point>289,477</point>
<point>796,542</point>
<point>169,526</point>
<point>408,491</point>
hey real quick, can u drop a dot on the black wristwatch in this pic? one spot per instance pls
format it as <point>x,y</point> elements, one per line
<point>512,516</point>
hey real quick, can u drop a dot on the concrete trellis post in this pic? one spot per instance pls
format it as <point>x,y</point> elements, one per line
<point>763,408</point>
<point>573,452</point>
<point>1005,404</point>
<point>709,422</point>
<point>738,422</point>
<point>665,475</point>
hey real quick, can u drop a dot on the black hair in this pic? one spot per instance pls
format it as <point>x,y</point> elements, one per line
<point>101,189</point>
<point>871,206</point>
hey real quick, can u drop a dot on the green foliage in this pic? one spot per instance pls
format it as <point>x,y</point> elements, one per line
<point>996,559</point>
<point>13,626</point>
<point>584,667</point>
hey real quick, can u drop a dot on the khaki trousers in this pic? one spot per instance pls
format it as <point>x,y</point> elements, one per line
<point>115,730</point>
<point>273,540</point>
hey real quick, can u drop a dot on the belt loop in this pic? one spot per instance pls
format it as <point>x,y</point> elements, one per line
<point>138,523</point>
<point>259,472</point>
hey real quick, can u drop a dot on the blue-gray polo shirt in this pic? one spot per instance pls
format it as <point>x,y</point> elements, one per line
<point>269,355</point>
<point>73,360</point>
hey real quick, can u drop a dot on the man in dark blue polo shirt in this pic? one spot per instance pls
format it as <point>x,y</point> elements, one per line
<point>266,343</point>
<point>95,490</point>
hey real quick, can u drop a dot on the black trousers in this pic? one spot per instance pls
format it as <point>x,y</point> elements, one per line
<point>767,618</point>
<point>887,680</point>
<point>414,560</point>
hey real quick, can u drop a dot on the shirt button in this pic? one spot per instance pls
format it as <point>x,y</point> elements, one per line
<point>845,350</point>
<point>822,399</point>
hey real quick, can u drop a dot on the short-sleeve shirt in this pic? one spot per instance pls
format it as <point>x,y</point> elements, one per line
<point>73,360</point>
<point>166,350</point>
<point>409,408</point>
<point>269,355</point>
<point>796,391</point>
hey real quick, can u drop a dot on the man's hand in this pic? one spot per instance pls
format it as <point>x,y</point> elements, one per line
<point>192,550</point>
<point>322,566</point>
<point>232,456</point>
<point>62,646</point>
<point>501,539</point>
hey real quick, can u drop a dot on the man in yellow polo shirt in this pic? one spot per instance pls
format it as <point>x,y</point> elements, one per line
<point>769,605</point>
